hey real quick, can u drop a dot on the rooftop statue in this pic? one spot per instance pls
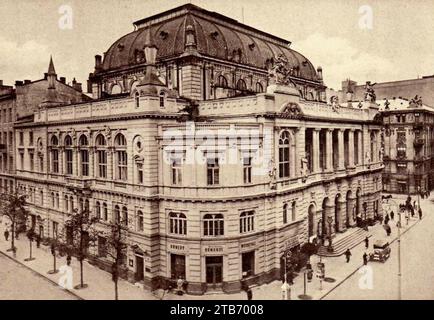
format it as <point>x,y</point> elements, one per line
<point>416,101</point>
<point>334,100</point>
<point>370,92</point>
<point>280,72</point>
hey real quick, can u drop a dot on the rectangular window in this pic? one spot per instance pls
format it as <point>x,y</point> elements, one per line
<point>140,221</point>
<point>21,138</point>
<point>55,161</point>
<point>176,171</point>
<point>284,162</point>
<point>22,161</point>
<point>122,165</point>
<point>102,164</point>
<point>102,247</point>
<point>247,221</point>
<point>84,155</point>
<point>247,170</point>
<point>213,171</point>
<point>32,161</point>
<point>41,163</point>
<point>139,173</point>
<point>68,155</point>
<point>31,138</point>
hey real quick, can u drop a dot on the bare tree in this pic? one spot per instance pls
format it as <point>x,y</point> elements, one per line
<point>116,248</point>
<point>13,206</point>
<point>80,236</point>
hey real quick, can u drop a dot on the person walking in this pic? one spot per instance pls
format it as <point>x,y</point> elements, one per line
<point>367,242</point>
<point>6,234</point>
<point>386,220</point>
<point>365,259</point>
<point>348,255</point>
<point>420,214</point>
<point>392,215</point>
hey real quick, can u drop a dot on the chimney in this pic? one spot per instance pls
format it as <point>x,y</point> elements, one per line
<point>98,62</point>
<point>89,86</point>
<point>45,76</point>
<point>77,86</point>
<point>27,81</point>
<point>1,83</point>
<point>63,80</point>
<point>319,71</point>
<point>18,83</point>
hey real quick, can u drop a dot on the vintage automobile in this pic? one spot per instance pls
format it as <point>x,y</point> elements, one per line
<point>381,251</point>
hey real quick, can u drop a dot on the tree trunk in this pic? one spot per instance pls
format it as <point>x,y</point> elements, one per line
<point>116,290</point>
<point>13,236</point>
<point>81,273</point>
<point>30,249</point>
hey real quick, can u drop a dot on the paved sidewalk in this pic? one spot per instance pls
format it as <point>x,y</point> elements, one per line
<point>101,286</point>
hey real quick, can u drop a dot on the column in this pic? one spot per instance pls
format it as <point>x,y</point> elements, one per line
<point>360,145</point>
<point>329,150</point>
<point>110,162</point>
<point>342,214</point>
<point>341,157</point>
<point>61,164</point>
<point>330,212</point>
<point>315,153</point>
<point>91,162</point>
<point>351,148</point>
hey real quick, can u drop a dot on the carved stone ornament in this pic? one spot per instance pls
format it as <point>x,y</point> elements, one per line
<point>279,72</point>
<point>292,111</point>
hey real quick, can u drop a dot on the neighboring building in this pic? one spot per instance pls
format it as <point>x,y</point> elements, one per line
<point>19,104</point>
<point>7,119</point>
<point>220,154</point>
<point>402,89</point>
<point>408,131</point>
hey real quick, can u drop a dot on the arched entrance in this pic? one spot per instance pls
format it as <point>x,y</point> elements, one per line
<point>337,212</point>
<point>350,208</point>
<point>325,204</point>
<point>311,221</point>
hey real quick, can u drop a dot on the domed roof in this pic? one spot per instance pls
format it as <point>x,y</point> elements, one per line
<point>216,36</point>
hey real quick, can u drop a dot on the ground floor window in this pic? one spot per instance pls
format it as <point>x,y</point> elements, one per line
<point>102,248</point>
<point>177,266</point>
<point>248,264</point>
<point>214,270</point>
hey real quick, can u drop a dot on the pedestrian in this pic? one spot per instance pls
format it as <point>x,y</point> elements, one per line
<point>420,214</point>
<point>249,294</point>
<point>365,259</point>
<point>366,242</point>
<point>388,231</point>
<point>386,220</point>
<point>412,212</point>
<point>6,234</point>
<point>348,255</point>
<point>392,214</point>
<point>68,260</point>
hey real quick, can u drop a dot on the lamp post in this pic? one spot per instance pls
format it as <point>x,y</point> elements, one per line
<point>330,221</point>
<point>399,257</point>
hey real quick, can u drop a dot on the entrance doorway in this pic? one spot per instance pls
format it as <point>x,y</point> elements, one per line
<point>177,266</point>
<point>139,268</point>
<point>214,271</point>
<point>248,264</point>
<point>41,232</point>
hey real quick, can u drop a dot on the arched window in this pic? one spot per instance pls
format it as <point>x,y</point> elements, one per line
<point>241,85</point>
<point>222,82</point>
<point>247,221</point>
<point>57,200</point>
<point>98,210</point>
<point>117,214</point>
<point>213,225</point>
<point>71,204</point>
<point>101,156</point>
<point>68,155</point>
<point>162,99</point>
<point>125,216</point>
<point>84,156</point>
<point>54,155</point>
<point>121,157</point>
<point>259,88</point>
<point>52,200</point>
<point>294,211</point>
<point>116,89</point>
<point>285,213</point>
<point>177,223</point>
<point>41,196</point>
<point>140,221</point>
<point>137,99</point>
<point>105,211</point>
<point>284,154</point>
<point>65,204</point>
<point>81,205</point>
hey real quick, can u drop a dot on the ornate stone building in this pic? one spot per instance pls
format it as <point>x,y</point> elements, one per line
<point>213,140</point>
<point>408,145</point>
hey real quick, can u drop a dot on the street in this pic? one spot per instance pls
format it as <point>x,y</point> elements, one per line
<point>19,283</point>
<point>417,258</point>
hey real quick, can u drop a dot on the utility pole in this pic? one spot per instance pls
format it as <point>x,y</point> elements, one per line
<point>399,257</point>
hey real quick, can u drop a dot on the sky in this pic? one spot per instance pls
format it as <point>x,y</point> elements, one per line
<point>367,40</point>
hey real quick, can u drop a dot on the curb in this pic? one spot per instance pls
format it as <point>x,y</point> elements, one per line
<point>353,272</point>
<point>41,275</point>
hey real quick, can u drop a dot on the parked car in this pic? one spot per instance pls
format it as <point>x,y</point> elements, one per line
<point>381,251</point>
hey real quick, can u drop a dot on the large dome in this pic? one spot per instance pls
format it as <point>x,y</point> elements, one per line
<point>216,36</point>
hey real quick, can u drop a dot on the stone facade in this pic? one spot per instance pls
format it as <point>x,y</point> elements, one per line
<point>215,190</point>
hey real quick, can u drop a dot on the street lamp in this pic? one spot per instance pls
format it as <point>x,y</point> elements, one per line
<point>399,257</point>
<point>330,221</point>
